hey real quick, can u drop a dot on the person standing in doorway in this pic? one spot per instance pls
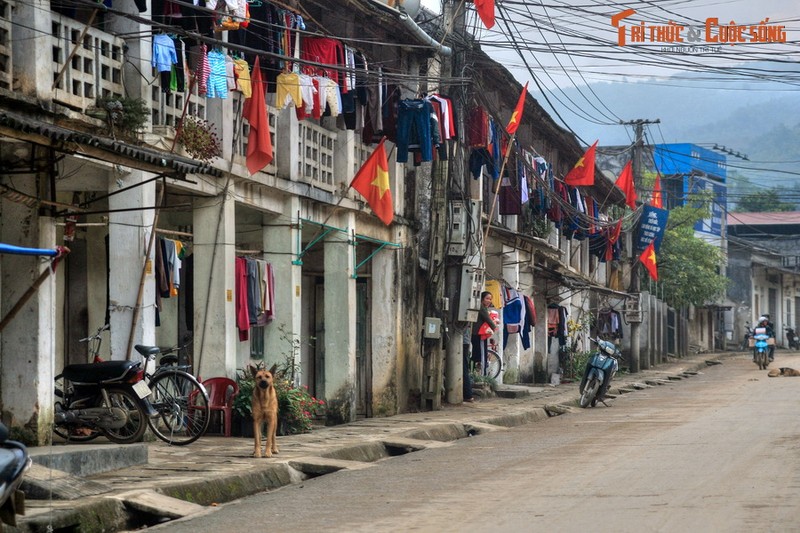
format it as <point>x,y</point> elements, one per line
<point>467,376</point>
<point>479,345</point>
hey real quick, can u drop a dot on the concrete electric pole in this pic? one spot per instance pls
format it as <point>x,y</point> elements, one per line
<point>634,312</point>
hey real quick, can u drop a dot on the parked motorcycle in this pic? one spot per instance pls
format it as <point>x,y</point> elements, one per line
<point>761,348</point>
<point>107,398</point>
<point>748,334</point>
<point>792,339</point>
<point>14,462</point>
<point>600,370</point>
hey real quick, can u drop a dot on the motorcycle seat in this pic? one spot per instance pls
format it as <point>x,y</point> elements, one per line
<point>12,462</point>
<point>98,372</point>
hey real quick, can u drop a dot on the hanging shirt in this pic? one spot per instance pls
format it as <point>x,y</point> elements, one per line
<point>242,72</point>
<point>164,54</point>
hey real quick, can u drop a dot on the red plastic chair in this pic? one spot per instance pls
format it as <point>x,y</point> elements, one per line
<point>221,393</point>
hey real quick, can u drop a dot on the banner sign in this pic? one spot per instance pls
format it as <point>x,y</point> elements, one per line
<point>652,227</point>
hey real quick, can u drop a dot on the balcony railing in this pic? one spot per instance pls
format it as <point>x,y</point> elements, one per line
<point>95,68</point>
<point>167,107</point>
<point>316,145</point>
<point>5,45</point>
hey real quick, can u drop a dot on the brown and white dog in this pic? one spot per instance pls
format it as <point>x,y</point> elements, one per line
<point>776,372</point>
<point>265,409</point>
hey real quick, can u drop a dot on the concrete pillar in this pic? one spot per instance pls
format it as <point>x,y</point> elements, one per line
<point>511,353</point>
<point>645,331</point>
<point>388,359</point>
<point>215,333</point>
<point>27,343</point>
<point>340,322</point>
<point>33,72</point>
<point>128,236</point>
<point>281,245</point>
<point>288,135</point>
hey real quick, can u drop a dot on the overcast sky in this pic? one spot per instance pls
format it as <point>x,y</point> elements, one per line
<point>575,42</point>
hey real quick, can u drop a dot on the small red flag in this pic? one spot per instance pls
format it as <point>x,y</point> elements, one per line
<point>516,116</point>
<point>259,143</point>
<point>625,184</point>
<point>648,259</point>
<point>485,9</point>
<point>583,171</point>
<point>656,200</point>
<point>613,237</point>
<point>372,181</point>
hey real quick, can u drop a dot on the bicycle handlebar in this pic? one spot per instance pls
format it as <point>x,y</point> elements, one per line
<point>100,330</point>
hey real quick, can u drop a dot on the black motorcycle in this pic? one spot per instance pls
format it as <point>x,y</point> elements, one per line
<point>792,339</point>
<point>748,334</point>
<point>14,462</point>
<point>107,398</point>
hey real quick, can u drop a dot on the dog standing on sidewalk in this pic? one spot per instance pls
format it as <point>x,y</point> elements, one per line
<point>265,409</point>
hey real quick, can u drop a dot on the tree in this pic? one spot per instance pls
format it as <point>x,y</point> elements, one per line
<point>763,201</point>
<point>688,267</point>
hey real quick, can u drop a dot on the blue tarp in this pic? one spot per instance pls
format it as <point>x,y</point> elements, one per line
<point>18,250</point>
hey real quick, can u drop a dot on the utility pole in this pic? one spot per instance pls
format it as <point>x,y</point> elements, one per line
<point>633,310</point>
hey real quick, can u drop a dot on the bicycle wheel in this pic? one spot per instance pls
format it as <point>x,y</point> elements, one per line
<point>182,406</point>
<point>493,364</point>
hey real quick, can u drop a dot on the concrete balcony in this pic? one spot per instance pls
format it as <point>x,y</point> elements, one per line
<point>5,45</point>
<point>87,64</point>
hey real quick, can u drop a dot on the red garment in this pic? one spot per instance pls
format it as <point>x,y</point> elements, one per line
<point>240,303</point>
<point>323,50</point>
<point>478,128</point>
<point>259,142</point>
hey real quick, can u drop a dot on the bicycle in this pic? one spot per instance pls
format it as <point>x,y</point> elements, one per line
<point>494,363</point>
<point>179,398</point>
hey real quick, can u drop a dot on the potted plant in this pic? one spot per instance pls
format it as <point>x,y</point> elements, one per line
<point>198,138</point>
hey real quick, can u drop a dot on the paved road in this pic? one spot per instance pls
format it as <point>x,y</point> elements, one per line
<point>717,452</point>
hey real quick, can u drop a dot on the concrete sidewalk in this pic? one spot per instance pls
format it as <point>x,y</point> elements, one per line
<point>152,482</point>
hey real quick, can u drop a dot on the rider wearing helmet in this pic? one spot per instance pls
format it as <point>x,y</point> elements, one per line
<point>763,322</point>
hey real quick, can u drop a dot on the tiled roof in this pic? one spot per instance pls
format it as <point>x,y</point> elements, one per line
<point>764,219</point>
<point>172,165</point>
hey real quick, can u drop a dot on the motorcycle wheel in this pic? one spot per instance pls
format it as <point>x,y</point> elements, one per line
<point>589,392</point>
<point>135,426</point>
<point>68,432</point>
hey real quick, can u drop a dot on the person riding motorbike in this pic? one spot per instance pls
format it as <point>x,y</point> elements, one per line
<point>763,322</point>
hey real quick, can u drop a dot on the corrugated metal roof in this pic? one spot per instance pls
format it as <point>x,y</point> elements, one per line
<point>179,165</point>
<point>764,219</point>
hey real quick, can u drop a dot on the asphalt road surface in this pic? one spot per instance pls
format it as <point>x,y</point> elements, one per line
<point>716,452</point>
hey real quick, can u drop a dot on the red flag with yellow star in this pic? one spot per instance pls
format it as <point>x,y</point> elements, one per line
<point>625,184</point>
<point>583,171</point>
<point>648,259</point>
<point>516,116</point>
<point>372,181</point>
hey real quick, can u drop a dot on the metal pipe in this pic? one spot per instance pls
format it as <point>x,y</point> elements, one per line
<point>412,26</point>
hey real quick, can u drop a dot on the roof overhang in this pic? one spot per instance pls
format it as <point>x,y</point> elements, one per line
<point>70,141</point>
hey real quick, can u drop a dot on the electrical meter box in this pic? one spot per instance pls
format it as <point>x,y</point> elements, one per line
<point>457,238</point>
<point>469,301</point>
<point>433,328</point>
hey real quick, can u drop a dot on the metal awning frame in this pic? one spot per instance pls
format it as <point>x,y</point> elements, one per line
<point>353,241</point>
